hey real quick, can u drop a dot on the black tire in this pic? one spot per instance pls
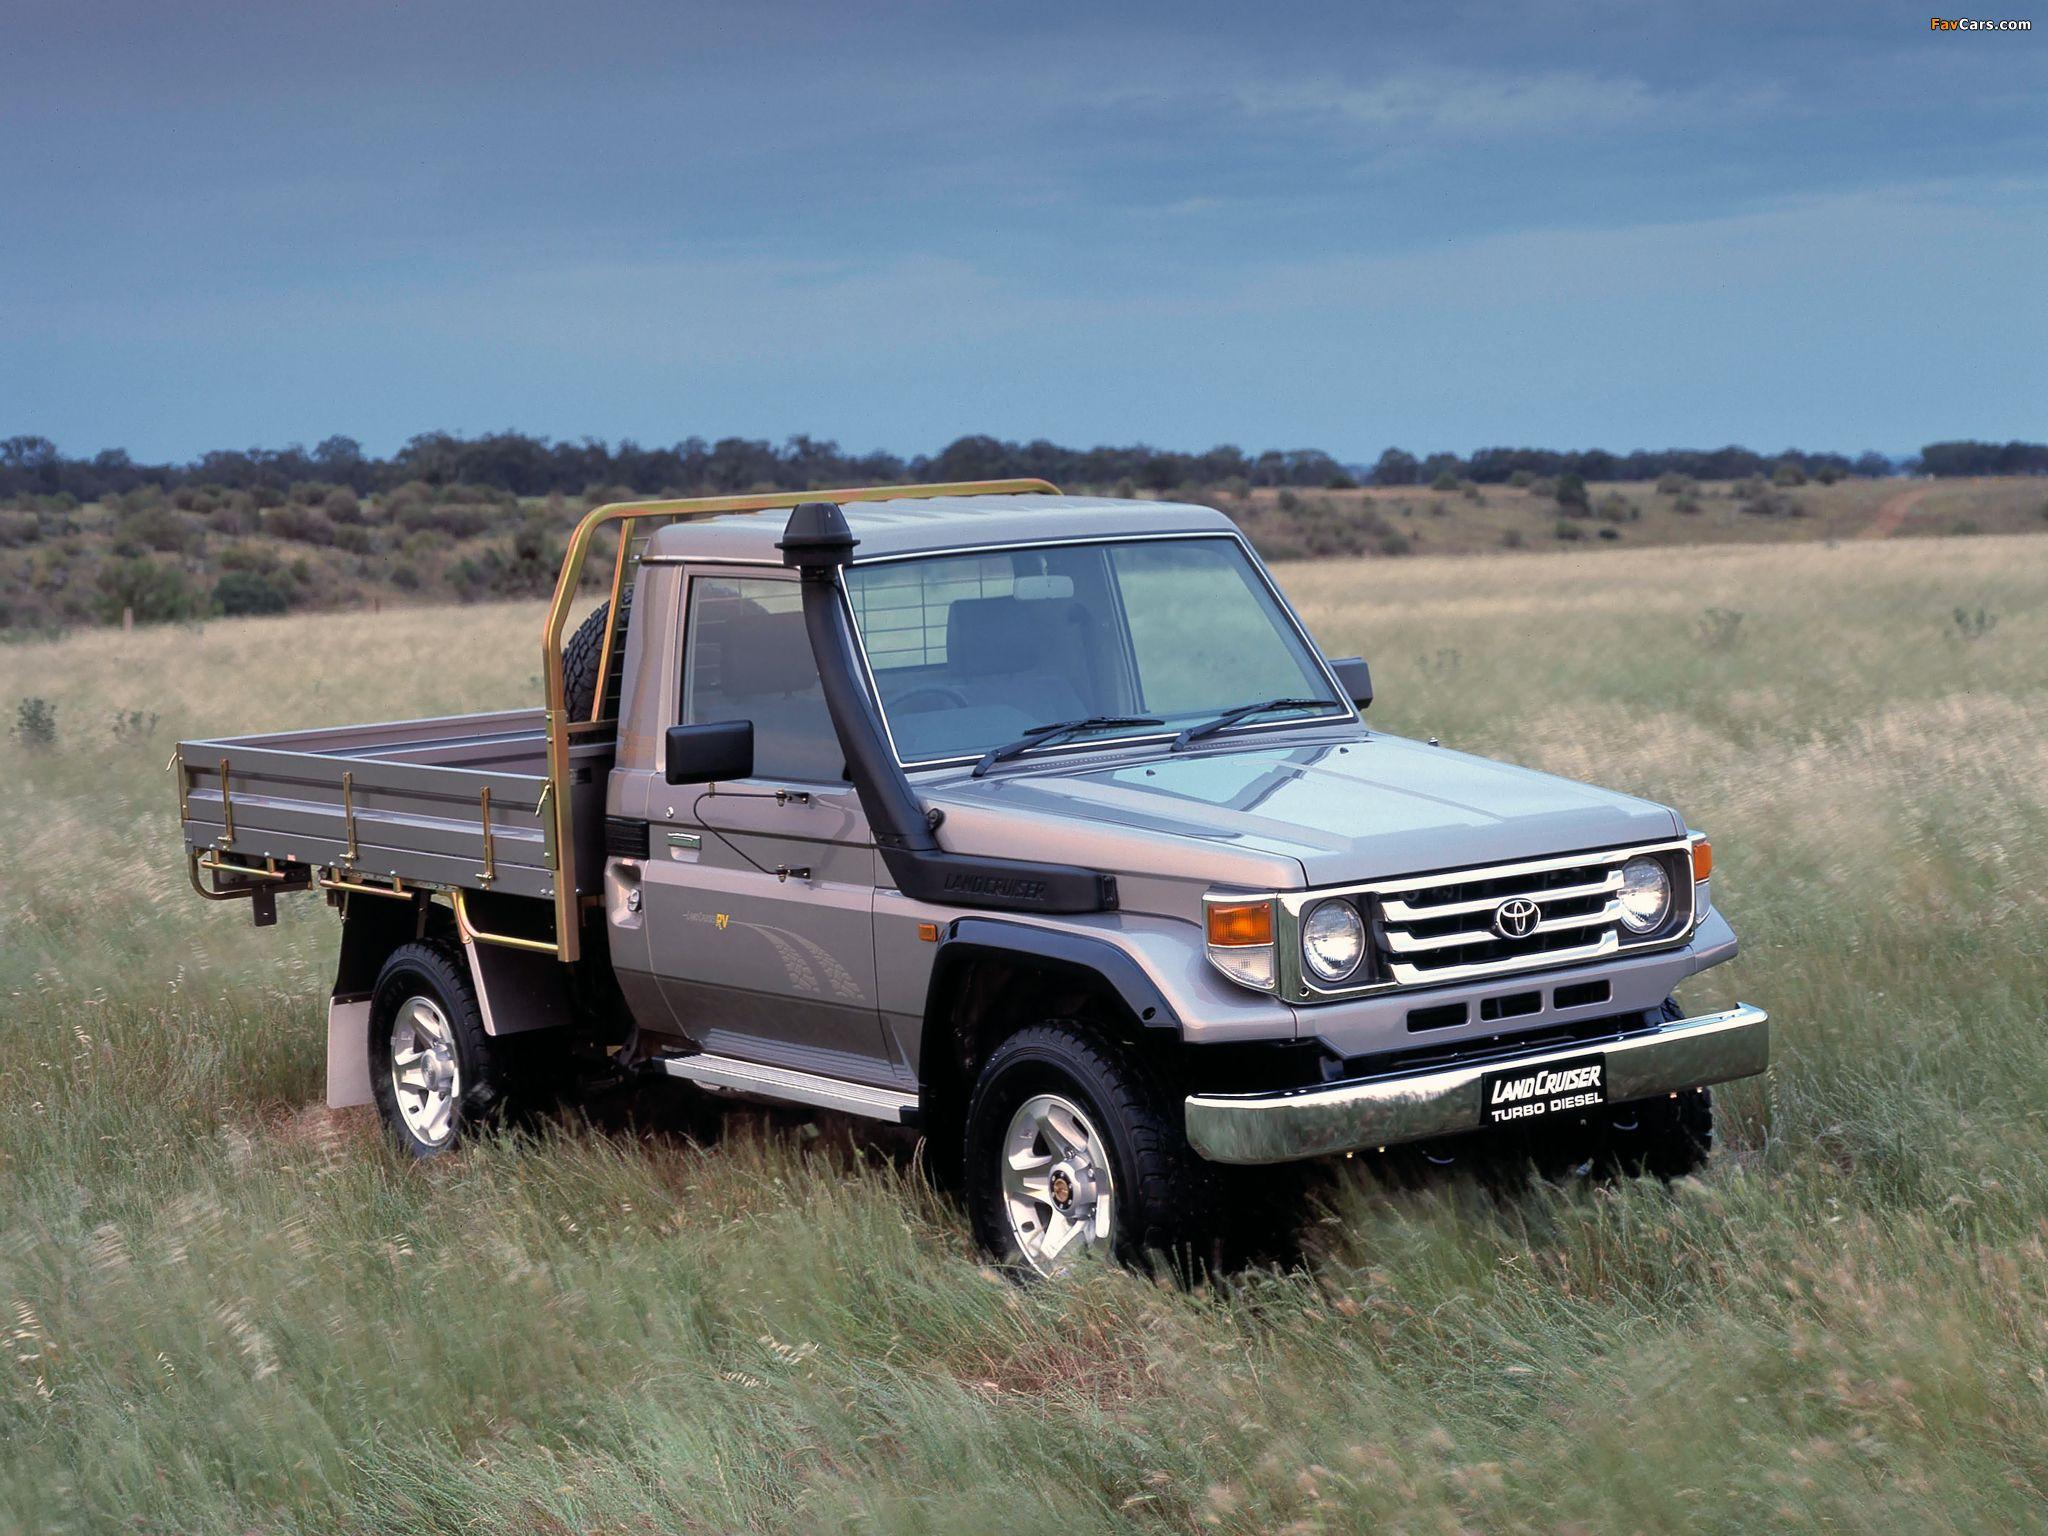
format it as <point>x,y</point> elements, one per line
<point>1667,1138</point>
<point>583,654</point>
<point>1165,1197</point>
<point>436,972</point>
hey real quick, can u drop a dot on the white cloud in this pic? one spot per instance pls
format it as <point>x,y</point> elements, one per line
<point>1470,105</point>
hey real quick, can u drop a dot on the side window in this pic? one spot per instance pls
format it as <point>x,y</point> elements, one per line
<point>746,657</point>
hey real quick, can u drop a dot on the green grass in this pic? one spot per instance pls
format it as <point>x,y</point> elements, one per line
<point>228,1309</point>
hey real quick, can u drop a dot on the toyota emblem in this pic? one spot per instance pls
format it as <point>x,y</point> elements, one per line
<point>1516,918</point>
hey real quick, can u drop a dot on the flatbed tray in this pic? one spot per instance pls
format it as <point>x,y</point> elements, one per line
<point>453,802</point>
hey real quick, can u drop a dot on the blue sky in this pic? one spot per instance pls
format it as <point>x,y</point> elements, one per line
<point>1345,226</point>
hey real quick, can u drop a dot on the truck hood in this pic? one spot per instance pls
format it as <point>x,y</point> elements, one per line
<point>1361,808</point>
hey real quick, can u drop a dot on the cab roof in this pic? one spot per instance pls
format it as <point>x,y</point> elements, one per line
<point>937,524</point>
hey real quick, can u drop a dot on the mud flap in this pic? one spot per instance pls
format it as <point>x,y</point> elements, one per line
<point>348,1052</point>
<point>518,990</point>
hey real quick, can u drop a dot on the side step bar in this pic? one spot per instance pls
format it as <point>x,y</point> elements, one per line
<point>792,1086</point>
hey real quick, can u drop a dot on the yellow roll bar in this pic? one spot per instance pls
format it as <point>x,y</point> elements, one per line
<point>557,799</point>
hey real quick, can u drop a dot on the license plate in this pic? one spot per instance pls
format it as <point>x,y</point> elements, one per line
<point>1517,1095</point>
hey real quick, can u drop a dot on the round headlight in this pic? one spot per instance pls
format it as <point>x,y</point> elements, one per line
<point>1333,940</point>
<point>1645,894</point>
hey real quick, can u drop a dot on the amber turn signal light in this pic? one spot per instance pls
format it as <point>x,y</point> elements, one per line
<point>1236,923</point>
<point>1702,858</point>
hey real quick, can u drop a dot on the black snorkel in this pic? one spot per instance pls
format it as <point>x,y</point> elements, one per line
<point>817,543</point>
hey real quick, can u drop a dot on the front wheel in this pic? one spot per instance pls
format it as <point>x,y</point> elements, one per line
<point>1075,1152</point>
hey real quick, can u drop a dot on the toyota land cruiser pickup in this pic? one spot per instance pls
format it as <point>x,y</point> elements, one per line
<point>1038,822</point>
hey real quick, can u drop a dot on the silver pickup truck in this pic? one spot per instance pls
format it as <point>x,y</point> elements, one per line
<point>1038,822</point>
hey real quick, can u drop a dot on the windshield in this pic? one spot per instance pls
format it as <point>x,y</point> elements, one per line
<point>974,652</point>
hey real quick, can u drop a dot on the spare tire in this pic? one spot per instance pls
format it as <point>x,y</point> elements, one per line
<point>582,655</point>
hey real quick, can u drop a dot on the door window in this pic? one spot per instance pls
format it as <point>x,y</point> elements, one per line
<point>746,657</point>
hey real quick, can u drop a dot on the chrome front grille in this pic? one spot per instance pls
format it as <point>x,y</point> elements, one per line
<point>1430,930</point>
<point>1444,929</point>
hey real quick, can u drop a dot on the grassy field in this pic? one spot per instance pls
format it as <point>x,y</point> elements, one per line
<point>228,1310</point>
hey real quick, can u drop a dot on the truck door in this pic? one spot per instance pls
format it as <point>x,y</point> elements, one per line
<point>760,892</point>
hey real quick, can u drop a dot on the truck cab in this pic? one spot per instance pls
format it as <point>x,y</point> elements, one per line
<point>1038,822</point>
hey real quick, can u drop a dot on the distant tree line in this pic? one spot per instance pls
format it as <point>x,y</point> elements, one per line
<point>524,465</point>
<point>1497,466</point>
<point>1973,458</point>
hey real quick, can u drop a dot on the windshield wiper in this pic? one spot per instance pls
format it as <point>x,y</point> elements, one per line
<point>1230,717</point>
<point>1046,735</point>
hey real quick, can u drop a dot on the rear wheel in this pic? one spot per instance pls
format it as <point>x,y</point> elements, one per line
<point>1075,1152</point>
<point>434,1073</point>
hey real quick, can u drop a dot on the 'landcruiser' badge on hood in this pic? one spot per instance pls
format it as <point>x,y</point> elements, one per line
<point>1515,918</point>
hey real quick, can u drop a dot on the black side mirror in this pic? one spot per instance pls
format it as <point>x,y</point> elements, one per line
<point>1355,678</point>
<point>705,754</point>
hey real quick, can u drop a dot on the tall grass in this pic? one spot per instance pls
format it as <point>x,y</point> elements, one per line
<point>226,1309</point>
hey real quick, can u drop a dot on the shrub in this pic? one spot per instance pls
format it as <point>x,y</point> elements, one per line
<point>131,725</point>
<point>1522,479</point>
<point>462,522</point>
<point>35,723</point>
<point>1470,490</point>
<point>1610,533</point>
<point>240,594</point>
<point>236,515</point>
<point>1827,474</point>
<point>1617,508</point>
<point>1689,504</point>
<point>1339,481</point>
<point>249,557</point>
<point>342,507</point>
<point>156,594</point>
<point>1542,486</point>
<point>1444,481</point>
<point>1720,629</point>
<point>354,538</point>
<point>1571,491</point>
<point>405,578</point>
<point>157,528</point>
<point>18,528</point>
<point>1788,472</point>
<point>1569,531</point>
<point>1511,538</point>
<point>1975,625</point>
<point>300,523</point>
<point>1289,502</point>
<point>1396,542</point>
<point>1672,483</point>
<point>1125,489</point>
<point>414,493</point>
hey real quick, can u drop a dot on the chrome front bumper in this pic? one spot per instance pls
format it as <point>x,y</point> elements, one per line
<point>1300,1123</point>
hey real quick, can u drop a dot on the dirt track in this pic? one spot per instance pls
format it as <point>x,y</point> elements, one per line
<point>1893,513</point>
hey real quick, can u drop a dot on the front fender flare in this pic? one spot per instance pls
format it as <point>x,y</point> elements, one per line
<point>972,938</point>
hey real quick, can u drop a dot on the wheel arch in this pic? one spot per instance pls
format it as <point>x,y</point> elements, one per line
<point>993,977</point>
